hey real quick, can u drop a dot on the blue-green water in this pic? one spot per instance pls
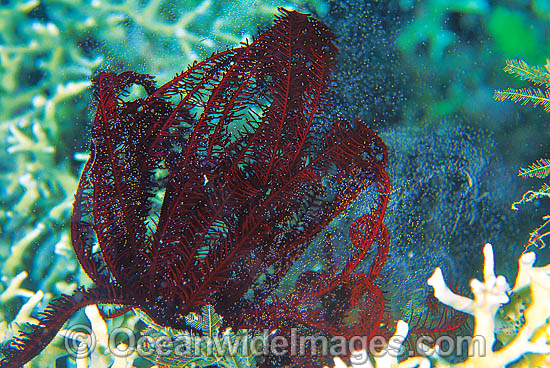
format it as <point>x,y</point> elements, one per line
<point>421,74</point>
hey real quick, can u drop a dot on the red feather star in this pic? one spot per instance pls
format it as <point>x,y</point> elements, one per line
<point>208,190</point>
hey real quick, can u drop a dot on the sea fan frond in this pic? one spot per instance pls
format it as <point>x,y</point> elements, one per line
<point>525,96</point>
<point>534,74</point>
<point>539,169</point>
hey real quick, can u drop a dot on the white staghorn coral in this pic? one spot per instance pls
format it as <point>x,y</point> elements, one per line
<point>489,296</point>
<point>95,349</point>
<point>12,291</point>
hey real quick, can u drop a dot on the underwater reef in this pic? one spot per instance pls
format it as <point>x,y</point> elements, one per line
<point>519,328</point>
<point>421,73</point>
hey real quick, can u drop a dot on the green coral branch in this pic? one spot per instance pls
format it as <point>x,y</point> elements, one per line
<point>147,17</point>
<point>533,74</point>
<point>525,96</point>
<point>536,75</point>
<point>539,169</point>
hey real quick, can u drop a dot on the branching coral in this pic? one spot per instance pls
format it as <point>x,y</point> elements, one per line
<point>489,296</point>
<point>14,291</point>
<point>95,349</point>
<point>160,36</point>
<point>43,76</point>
